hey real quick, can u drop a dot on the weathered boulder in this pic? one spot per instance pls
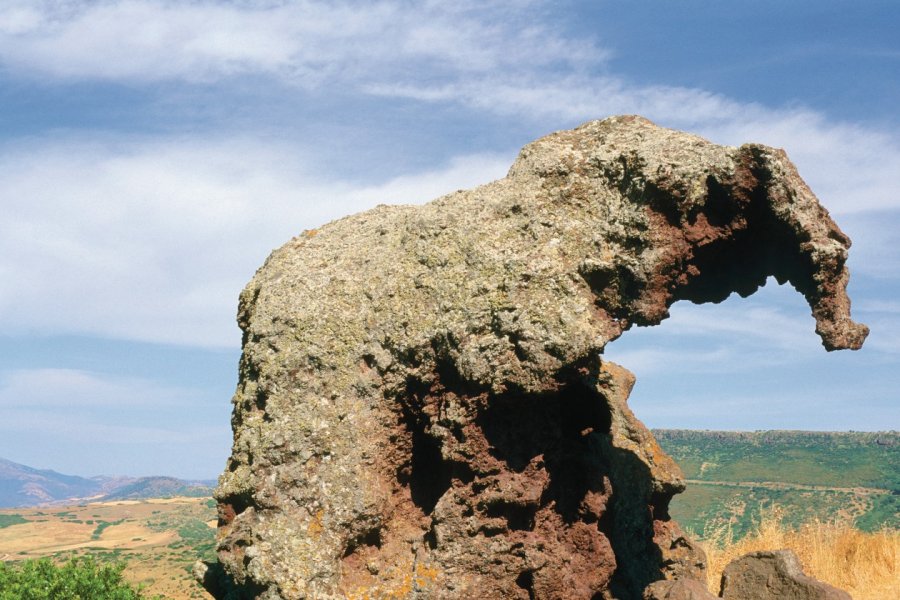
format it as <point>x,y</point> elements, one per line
<point>677,589</point>
<point>773,576</point>
<point>422,412</point>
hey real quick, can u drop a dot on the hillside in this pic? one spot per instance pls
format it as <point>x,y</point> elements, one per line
<point>159,539</point>
<point>159,487</point>
<point>21,485</point>
<point>825,475</point>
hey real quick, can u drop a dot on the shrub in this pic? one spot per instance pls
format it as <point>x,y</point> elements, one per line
<point>81,578</point>
<point>10,520</point>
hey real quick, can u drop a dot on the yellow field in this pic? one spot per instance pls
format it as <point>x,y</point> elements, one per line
<point>866,565</point>
<point>159,539</point>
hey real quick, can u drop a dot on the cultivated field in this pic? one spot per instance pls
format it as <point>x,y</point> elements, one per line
<point>158,538</point>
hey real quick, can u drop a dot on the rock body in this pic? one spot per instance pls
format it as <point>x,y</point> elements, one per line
<point>422,411</point>
<point>773,576</point>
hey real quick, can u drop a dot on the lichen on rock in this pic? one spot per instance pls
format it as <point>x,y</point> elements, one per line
<point>422,409</point>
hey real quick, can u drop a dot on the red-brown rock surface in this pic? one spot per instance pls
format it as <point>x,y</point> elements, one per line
<point>422,411</point>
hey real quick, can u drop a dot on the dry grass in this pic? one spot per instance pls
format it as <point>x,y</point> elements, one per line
<point>867,565</point>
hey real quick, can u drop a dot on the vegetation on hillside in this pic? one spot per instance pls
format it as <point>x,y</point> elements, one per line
<point>10,520</point>
<point>816,458</point>
<point>158,487</point>
<point>734,476</point>
<point>81,578</point>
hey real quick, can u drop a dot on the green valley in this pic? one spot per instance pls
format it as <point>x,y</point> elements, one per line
<point>733,476</point>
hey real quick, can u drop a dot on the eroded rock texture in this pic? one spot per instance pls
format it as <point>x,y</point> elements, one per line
<point>422,411</point>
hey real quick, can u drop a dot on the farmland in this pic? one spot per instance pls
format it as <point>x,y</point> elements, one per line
<point>159,539</point>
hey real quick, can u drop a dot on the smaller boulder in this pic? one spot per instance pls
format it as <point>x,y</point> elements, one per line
<point>773,575</point>
<point>679,589</point>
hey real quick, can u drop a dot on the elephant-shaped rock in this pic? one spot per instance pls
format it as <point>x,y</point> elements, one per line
<point>422,409</point>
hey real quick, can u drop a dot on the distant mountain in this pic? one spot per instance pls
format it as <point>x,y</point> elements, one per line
<point>157,487</point>
<point>25,486</point>
<point>21,485</point>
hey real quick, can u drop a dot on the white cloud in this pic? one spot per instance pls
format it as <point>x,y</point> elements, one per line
<point>153,240</point>
<point>305,43</point>
<point>738,335</point>
<point>74,420</point>
<point>58,388</point>
<point>494,58</point>
<point>891,307</point>
<point>65,430</point>
<point>876,244</point>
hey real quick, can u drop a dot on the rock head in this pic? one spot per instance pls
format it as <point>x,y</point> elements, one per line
<point>422,409</point>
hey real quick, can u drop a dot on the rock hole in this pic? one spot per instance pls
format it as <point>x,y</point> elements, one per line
<point>427,474</point>
<point>519,517</point>
<point>720,209</point>
<point>525,580</point>
<point>659,504</point>
<point>231,506</point>
<point>370,538</point>
<point>430,538</point>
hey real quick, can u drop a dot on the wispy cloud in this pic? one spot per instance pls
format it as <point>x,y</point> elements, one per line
<point>77,442</point>
<point>66,418</point>
<point>835,396</point>
<point>153,240</point>
<point>305,43</point>
<point>492,58</point>
<point>60,388</point>
<point>78,428</point>
<point>737,336</point>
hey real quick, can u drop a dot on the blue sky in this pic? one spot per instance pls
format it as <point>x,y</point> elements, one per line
<point>152,153</point>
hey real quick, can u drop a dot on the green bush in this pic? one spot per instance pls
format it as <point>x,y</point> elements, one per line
<point>81,578</point>
<point>10,520</point>
<point>98,530</point>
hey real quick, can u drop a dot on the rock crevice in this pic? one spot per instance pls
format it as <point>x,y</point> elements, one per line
<point>422,411</point>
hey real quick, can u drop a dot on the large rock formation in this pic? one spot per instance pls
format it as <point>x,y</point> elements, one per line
<point>422,409</point>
